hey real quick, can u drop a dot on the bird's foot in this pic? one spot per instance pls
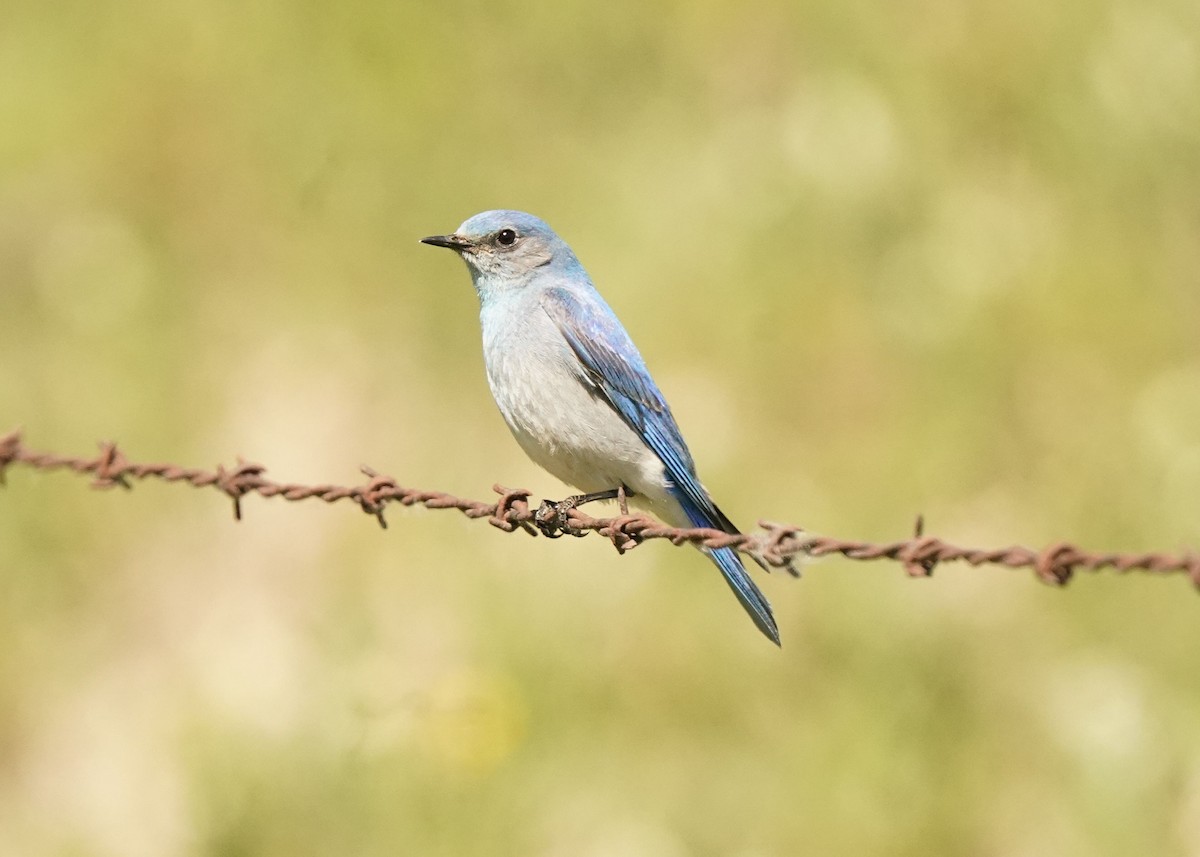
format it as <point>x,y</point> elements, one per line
<point>553,518</point>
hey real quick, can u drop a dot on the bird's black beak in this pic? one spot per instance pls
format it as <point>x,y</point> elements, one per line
<point>454,242</point>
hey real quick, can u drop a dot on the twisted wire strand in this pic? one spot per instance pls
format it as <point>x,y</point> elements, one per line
<point>776,544</point>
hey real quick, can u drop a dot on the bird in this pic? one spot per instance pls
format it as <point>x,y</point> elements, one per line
<point>574,389</point>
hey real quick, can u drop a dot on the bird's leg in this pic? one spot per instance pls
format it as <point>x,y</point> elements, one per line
<point>610,494</point>
<point>551,517</point>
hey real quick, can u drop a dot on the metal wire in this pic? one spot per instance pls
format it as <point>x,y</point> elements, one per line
<point>775,544</point>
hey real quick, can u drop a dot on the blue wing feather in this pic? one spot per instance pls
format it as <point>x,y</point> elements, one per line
<point>615,370</point>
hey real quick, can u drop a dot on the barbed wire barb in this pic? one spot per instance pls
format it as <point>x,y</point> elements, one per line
<point>775,544</point>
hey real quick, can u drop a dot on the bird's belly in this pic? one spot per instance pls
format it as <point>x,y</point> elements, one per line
<point>571,433</point>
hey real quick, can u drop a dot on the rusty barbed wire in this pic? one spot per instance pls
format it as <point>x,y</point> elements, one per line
<point>776,544</point>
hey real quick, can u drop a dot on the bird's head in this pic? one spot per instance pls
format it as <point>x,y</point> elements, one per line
<point>505,249</point>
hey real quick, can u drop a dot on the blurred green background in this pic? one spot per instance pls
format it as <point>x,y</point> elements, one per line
<point>883,259</point>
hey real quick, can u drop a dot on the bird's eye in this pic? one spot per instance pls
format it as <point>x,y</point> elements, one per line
<point>506,237</point>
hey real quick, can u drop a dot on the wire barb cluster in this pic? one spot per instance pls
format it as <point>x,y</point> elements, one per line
<point>775,544</point>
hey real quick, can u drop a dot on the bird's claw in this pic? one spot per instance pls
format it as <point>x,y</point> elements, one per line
<point>553,519</point>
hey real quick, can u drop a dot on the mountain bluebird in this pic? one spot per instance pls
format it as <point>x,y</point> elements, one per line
<point>574,390</point>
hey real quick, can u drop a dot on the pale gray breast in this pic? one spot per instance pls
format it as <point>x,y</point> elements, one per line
<point>563,426</point>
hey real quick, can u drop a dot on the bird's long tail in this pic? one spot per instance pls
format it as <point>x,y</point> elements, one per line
<point>747,593</point>
<point>735,574</point>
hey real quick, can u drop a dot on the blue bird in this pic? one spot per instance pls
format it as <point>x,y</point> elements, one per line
<point>573,388</point>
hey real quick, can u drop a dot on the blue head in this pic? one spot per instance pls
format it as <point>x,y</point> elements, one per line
<point>504,250</point>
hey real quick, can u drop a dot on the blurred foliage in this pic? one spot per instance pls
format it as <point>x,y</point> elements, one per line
<point>883,259</point>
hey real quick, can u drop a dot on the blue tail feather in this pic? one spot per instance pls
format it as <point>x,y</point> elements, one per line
<point>747,593</point>
<point>732,569</point>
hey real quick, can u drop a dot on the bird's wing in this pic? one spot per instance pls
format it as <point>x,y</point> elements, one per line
<point>612,368</point>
